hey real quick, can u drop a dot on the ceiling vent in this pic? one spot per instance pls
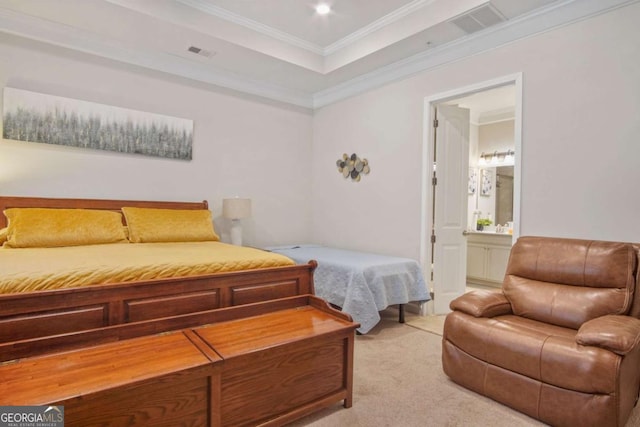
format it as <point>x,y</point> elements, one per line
<point>201,52</point>
<point>479,18</point>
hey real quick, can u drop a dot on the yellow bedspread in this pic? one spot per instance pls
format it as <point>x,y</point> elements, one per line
<point>34,269</point>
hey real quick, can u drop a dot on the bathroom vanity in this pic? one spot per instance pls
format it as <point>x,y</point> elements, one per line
<point>487,257</point>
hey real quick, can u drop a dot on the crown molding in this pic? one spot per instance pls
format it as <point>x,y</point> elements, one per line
<point>282,36</point>
<point>376,25</point>
<point>84,41</point>
<point>495,116</point>
<point>554,16</point>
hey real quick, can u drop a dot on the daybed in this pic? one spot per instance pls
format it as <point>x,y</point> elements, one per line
<point>561,340</point>
<point>248,347</point>
<point>360,283</point>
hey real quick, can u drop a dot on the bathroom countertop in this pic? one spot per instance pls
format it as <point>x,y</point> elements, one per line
<point>486,233</point>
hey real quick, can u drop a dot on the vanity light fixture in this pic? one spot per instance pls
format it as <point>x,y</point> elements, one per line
<point>497,157</point>
<point>323,9</point>
<point>511,157</point>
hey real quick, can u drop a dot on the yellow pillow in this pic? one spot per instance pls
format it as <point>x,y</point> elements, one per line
<point>47,228</point>
<point>148,225</point>
<point>4,232</point>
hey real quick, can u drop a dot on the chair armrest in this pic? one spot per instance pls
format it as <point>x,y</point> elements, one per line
<point>619,334</point>
<point>482,303</point>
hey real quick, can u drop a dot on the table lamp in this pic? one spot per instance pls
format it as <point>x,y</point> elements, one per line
<point>235,209</point>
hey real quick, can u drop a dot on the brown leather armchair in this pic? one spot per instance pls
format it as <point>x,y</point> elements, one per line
<point>560,341</point>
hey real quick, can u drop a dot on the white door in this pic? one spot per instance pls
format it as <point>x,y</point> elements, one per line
<point>450,214</point>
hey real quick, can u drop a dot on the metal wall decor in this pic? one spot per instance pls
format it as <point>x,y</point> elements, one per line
<point>352,166</point>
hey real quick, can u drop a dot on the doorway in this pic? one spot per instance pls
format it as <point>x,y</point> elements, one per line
<point>445,259</point>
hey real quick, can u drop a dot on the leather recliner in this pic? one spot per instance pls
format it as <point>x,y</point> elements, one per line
<point>560,341</point>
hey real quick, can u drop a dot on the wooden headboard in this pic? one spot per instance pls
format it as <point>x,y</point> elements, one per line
<point>7,202</point>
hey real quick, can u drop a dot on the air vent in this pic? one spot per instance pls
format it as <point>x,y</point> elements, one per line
<point>479,18</point>
<point>201,52</point>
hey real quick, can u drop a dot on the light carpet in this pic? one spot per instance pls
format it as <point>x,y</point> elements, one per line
<point>398,381</point>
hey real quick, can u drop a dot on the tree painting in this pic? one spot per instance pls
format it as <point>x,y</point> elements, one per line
<point>35,117</point>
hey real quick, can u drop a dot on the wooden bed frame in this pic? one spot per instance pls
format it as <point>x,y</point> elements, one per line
<point>41,322</point>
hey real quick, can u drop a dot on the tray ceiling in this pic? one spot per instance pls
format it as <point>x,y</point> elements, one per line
<point>282,49</point>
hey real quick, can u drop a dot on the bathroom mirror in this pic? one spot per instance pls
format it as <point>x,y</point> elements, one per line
<point>504,195</point>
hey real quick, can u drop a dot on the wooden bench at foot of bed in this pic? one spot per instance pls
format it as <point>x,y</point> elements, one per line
<point>265,364</point>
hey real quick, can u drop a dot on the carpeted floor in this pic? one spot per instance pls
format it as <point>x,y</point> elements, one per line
<point>398,381</point>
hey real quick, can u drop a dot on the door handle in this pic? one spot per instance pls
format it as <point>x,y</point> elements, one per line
<point>465,233</point>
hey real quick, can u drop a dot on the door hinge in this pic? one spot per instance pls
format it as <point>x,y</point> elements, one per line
<point>435,123</point>
<point>433,238</point>
<point>434,181</point>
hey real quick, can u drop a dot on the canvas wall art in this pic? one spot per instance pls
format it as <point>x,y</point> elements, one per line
<point>473,181</point>
<point>486,184</point>
<point>36,117</point>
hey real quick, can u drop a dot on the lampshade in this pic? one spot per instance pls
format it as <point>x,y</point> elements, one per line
<point>236,208</point>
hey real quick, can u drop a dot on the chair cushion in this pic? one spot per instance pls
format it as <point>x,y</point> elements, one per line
<point>540,351</point>
<point>566,282</point>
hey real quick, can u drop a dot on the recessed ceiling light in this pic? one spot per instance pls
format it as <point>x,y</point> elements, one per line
<point>323,9</point>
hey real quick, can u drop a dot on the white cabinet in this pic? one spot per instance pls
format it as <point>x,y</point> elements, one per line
<point>487,257</point>
<point>476,260</point>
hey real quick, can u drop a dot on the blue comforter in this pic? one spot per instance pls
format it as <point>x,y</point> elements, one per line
<point>359,282</point>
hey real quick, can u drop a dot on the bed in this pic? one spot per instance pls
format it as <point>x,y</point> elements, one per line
<point>361,284</point>
<point>39,316</point>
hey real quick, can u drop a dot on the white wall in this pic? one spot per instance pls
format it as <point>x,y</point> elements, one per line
<point>496,137</point>
<point>580,174</point>
<point>580,150</point>
<point>241,146</point>
<point>381,212</point>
